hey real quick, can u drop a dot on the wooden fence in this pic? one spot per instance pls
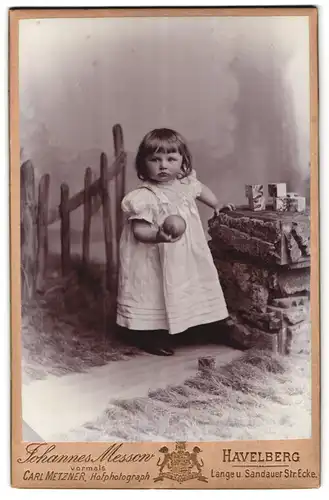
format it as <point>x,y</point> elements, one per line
<point>36,217</point>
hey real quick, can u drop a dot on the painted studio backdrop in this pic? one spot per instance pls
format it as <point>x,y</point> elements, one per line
<point>236,88</point>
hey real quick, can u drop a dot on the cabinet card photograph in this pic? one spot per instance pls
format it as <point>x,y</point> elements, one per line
<point>164,248</point>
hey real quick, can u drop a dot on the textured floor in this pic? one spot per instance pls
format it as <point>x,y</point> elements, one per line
<point>57,404</point>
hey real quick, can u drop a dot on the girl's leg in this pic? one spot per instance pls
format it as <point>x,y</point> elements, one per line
<point>157,342</point>
<point>196,335</point>
<point>218,332</point>
<point>192,336</point>
<point>123,334</point>
<point>131,337</point>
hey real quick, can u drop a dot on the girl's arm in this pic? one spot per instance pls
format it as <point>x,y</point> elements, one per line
<point>147,233</point>
<point>210,199</point>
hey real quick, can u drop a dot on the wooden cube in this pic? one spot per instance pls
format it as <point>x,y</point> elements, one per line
<point>280,204</point>
<point>291,203</point>
<point>297,204</point>
<point>253,190</point>
<point>291,195</point>
<point>276,190</point>
<point>255,195</point>
<point>207,363</point>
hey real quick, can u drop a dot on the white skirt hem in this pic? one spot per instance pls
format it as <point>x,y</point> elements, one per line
<point>179,327</point>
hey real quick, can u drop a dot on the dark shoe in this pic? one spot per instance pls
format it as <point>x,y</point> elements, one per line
<point>158,343</point>
<point>159,351</point>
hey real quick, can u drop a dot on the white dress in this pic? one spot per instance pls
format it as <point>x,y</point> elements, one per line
<point>167,286</point>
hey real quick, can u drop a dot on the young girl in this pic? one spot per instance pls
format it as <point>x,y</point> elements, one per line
<point>166,284</point>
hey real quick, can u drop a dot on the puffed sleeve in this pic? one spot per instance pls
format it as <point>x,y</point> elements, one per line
<point>194,186</point>
<point>140,204</point>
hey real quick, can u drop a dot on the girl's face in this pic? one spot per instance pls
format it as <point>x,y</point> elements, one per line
<point>163,167</point>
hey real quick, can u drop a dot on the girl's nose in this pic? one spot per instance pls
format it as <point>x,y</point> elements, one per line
<point>163,165</point>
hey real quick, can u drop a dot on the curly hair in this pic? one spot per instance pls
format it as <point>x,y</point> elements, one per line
<point>162,140</point>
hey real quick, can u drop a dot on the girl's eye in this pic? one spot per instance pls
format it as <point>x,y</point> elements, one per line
<point>171,159</point>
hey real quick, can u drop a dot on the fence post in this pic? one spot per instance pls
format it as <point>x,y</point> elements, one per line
<point>28,231</point>
<point>118,139</point>
<point>87,207</point>
<point>42,230</point>
<point>65,229</point>
<point>106,220</point>
<point>120,183</point>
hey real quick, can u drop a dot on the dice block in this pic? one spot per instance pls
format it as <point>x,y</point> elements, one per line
<point>291,203</point>
<point>277,190</point>
<point>255,195</point>
<point>207,363</point>
<point>292,195</point>
<point>280,204</point>
<point>297,204</point>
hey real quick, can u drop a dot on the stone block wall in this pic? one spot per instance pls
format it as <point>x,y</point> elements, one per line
<point>268,301</point>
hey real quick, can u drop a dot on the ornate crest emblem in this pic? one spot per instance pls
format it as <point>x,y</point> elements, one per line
<point>180,464</point>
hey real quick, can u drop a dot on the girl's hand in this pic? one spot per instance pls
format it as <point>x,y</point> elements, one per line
<point>145,232</point>
<point>225,208</point>
<point>163,237</point>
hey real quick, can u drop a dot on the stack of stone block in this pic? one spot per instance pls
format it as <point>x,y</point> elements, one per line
<point>263,263</point>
